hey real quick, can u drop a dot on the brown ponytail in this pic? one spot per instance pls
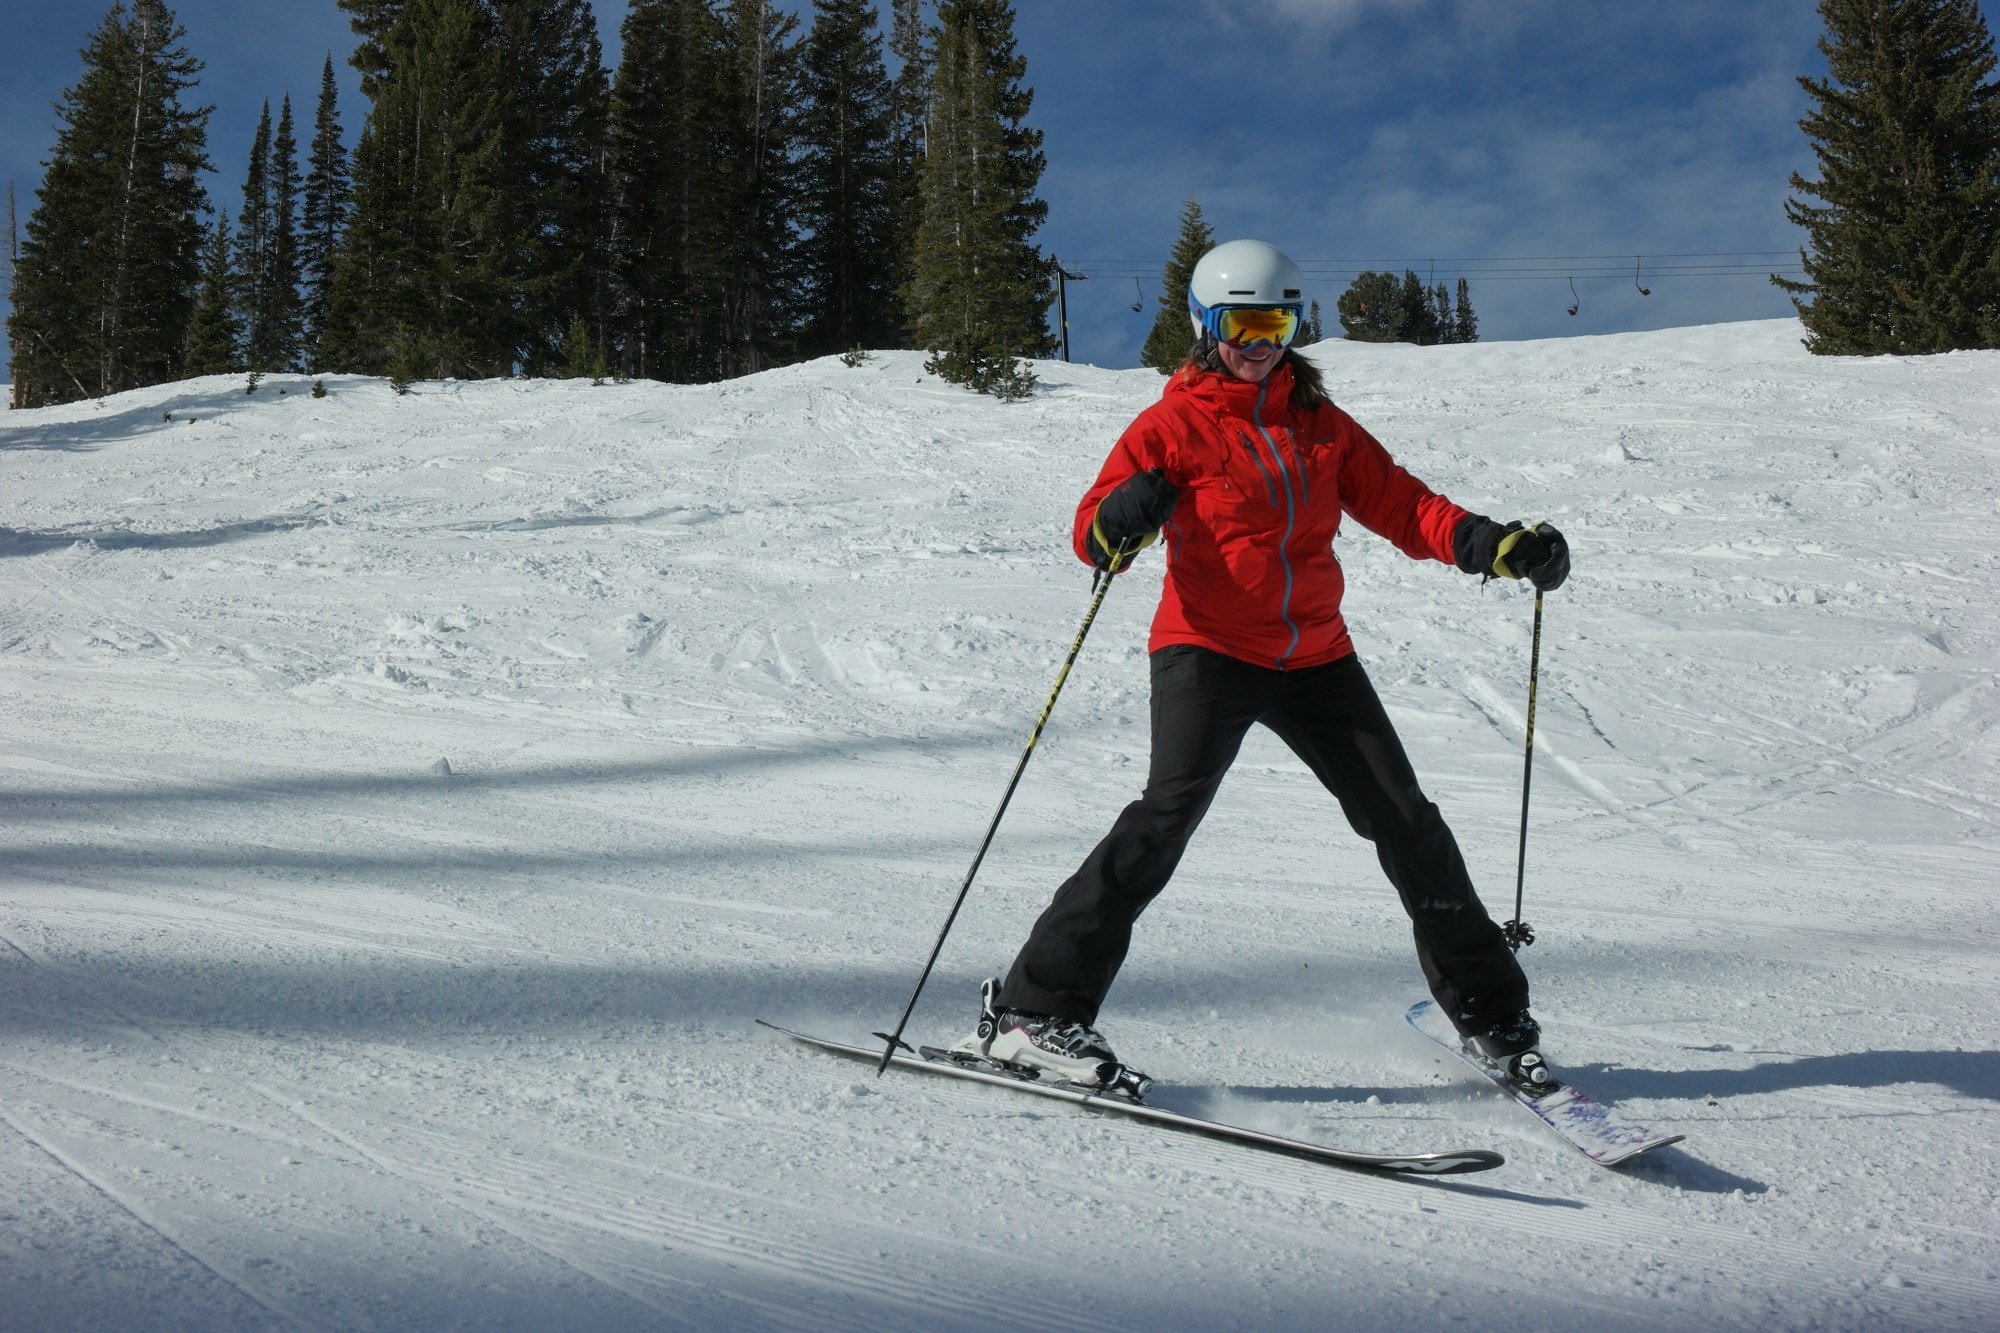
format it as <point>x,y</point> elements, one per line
<point>1308,389</point>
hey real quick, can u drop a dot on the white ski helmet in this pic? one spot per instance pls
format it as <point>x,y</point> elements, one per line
<point>1242,273</point>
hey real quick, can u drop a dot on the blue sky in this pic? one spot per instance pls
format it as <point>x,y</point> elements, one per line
<point>1377,133</point>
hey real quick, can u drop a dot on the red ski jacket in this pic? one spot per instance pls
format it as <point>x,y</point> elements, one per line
<point>1250,566</point>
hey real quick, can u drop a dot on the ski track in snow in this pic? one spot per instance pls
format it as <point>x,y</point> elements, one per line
<point>301,1029</point>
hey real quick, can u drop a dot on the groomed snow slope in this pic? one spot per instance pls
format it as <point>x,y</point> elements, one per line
<point>729,680</point>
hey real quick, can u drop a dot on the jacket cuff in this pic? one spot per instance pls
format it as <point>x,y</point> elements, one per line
<point>1474,542</point>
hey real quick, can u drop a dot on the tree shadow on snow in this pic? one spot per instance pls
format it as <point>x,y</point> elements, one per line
<point>363,996</point>
<point>25,440</point>
<point>476,870</point>
<point>167,414</point>
<point>307,786</point>
<point>15,542</point>
<point>1969,1073</point>
<point>322,986</point>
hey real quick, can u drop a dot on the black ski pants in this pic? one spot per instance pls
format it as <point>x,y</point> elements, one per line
<point>1330,716</point>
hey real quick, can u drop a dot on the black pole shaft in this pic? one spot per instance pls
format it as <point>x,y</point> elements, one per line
<point>1062,307</point>
<point>1528,759</point>
<point>895,1038</point>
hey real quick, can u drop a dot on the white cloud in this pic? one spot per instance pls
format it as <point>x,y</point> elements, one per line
<point>1316,16</point>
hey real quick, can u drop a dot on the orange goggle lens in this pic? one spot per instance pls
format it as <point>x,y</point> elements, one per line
<point>1248,325</point>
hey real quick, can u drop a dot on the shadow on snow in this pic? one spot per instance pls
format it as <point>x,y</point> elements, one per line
<point>15,542</point>
<point>689,761</point>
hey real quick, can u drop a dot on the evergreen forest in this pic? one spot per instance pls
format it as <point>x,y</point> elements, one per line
<point>747,188</point>
<point>751,186</point>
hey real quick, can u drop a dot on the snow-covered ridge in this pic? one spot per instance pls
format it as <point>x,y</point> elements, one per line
<point>728,679</point>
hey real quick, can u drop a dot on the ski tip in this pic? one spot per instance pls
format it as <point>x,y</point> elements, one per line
<point>1633,1154</point>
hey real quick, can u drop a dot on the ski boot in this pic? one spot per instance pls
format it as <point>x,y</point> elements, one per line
<point>1509,1047</point>
<point>1038,1045</point>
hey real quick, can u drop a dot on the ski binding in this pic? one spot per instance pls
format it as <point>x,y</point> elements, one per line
<point>1592,1127</point>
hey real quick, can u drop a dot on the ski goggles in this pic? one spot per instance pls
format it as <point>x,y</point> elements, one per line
<point>1245,326</point>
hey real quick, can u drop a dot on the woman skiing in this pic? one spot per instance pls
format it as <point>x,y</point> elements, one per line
<point>1249,467</point>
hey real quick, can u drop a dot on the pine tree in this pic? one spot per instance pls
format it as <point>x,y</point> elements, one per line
<point>108,270</point>
<point>1903,245</point>
<point>1464,324</point>
<point>13,267</point>
<point>1313,330</point>
<point>214,335</point>
<point>420,283</point>
<point>850,258</point>
<point>759,124</point>
<point>582,353</point>
<point>665,166</point>
<point>372,21</point>
<point>363,326</point>
<point>285,314</point>
<point>324,215</point>
<point>980,289</point>
<point>1171,336</point>
<point>253,271</point>
<point>911,43</point>
<point>1413,312</point>
<point>267,300</point>
<point>1440,319</point>
<point>554,145</point>
<point>1370,309</point>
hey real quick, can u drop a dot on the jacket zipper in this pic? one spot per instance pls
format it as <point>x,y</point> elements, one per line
<point>1291,514</point>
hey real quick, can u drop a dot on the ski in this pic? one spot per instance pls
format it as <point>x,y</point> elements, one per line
<point>933,1061</point>
<point>1586,1124</point>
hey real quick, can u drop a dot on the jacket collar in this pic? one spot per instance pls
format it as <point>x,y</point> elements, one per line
<point>1219,389</point>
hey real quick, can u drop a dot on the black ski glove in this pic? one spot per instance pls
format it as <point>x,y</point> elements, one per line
<point>1129,519</point>
<point>1511,551</point>
<point>1538,554</point>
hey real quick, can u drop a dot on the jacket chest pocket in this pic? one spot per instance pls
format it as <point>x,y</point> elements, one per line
<point>1236,494</point>
<point>1247,466</point>
<point>1318,463</point>
<point>1259,485</point>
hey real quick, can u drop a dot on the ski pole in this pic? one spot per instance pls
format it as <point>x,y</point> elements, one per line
<point>1518,932</point>
<point>1100,585</point>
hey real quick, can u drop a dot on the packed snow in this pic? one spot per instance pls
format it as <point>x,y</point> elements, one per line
<point>412,802</point>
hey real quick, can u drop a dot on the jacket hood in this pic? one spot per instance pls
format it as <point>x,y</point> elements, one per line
<point>1225,390</point>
